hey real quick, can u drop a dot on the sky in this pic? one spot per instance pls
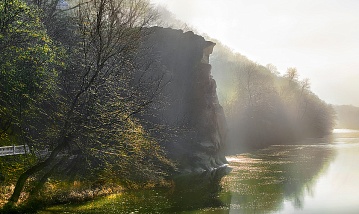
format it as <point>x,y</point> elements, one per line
<point>318,37</point>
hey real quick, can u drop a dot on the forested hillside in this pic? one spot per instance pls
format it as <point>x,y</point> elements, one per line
<point>264,107</point>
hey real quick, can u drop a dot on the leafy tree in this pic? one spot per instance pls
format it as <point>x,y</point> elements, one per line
<point>28,59</point>
<point>100,88</point>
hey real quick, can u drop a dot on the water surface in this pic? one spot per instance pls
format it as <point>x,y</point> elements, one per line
<point>318,176</point>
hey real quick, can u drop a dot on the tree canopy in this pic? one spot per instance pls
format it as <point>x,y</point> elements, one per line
<point>28,59</point>
<point>77,97</point>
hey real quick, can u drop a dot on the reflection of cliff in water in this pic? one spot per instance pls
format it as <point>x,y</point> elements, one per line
<point>262,181</point>
<point>197,191</point>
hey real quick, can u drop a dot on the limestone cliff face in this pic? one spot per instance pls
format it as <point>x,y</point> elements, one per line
<point>197,119</point>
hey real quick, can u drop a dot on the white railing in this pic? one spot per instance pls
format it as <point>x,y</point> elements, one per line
<point>14,150</point>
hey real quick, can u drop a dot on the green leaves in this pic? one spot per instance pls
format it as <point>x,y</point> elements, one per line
<point>28,61</point>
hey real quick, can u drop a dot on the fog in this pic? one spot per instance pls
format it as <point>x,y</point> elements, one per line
<point>124,106</point>
<point>318,38</point>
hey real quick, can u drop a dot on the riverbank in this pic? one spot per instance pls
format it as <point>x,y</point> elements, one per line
<point>95,197</point>
<point>188,191</point>
<point>57,193</point>
<point>281,179</point>
<point>61,193</point>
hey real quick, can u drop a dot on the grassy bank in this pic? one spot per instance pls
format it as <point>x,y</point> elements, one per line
<point>63,194</point>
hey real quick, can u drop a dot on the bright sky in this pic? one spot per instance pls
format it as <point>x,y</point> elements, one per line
<point>318,37</point>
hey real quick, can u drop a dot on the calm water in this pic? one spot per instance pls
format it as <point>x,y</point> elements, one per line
<point>319,177</point>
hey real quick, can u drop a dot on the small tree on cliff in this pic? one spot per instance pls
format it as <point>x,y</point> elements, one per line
<point>98,96</point>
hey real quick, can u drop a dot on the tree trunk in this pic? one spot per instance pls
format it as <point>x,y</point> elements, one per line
<point>24,176</point>
<point>44,178</point>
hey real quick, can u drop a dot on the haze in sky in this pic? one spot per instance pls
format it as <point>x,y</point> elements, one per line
<point>320,38</point>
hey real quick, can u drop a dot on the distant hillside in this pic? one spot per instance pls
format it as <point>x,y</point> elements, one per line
<point>264,107</point>
<point>348,116</point>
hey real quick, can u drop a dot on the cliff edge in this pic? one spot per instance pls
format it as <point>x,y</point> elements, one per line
<point>197,135</point>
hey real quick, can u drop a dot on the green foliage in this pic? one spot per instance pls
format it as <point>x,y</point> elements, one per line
<point>12,166</point>
<point>27,64</point>
<point>78,101</point>
<point>100,95</point>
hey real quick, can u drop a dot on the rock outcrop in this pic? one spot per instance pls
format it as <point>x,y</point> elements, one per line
<point>198,125</point>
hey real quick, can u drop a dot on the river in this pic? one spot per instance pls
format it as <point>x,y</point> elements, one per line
<point>317,176</point>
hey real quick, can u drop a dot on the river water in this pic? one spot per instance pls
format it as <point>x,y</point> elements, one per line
<point>317,176</point>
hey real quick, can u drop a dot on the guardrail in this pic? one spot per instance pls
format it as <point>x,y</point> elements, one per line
<point>14,150</point>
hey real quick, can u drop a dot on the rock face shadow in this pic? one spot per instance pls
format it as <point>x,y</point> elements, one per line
<point>196,125</point>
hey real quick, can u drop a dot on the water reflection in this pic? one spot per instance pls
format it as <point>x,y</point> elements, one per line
<point>260,182</point>
<point>337,190</point>
<point>263,181</point>
<point>190,193</point>
<point>280,179</point>
<point>197,191</point>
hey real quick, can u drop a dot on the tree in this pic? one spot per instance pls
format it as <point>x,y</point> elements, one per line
<point>273,69</point>
<point>97,102</point>
<point>28,59</point>
<point>292,74</point>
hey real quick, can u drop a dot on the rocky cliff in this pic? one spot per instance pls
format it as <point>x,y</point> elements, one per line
<point>198,125</point>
